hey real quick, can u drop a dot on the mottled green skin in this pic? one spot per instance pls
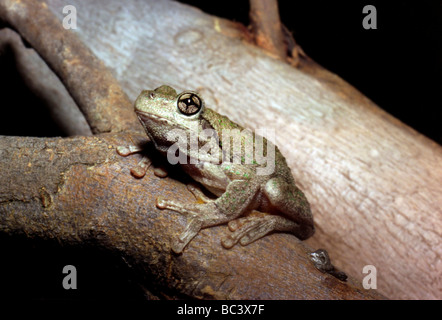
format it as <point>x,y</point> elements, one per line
<point>238,186</point>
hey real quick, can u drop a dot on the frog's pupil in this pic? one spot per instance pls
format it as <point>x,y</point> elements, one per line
<point>189,104</point>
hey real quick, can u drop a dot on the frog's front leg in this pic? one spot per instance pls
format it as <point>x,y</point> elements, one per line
<point>230,205</point>
<point>139,171</point>
<point>141,168</point>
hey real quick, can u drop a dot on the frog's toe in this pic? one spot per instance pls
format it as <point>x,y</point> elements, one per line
<point>245,240</point>
<point>240,228</point>
<point>138,172</point>
<point>125,151</point>
<point>257,233</point>
<point>177,246</point>
<point>198,193</point>
<point>161,203</point>
<point>228,242</point>
<point>192,187</point>
<point>160,172</point>
<point>233,225</point>
<point>192,228</point>
<point>254,229</point>
<point>240,222</point>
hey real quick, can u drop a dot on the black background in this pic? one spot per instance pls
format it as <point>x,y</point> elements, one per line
<point>398,66</point>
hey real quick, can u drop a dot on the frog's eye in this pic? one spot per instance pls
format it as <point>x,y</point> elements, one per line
<point>189,103</point>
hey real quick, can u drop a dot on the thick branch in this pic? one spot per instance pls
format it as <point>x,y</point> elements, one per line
<point>80,191</point>
<point>373,183</point>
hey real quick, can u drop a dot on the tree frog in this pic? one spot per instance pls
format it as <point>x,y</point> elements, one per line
<point>252,203</point>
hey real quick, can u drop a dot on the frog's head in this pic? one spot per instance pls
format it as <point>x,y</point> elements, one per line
<point>162,110</point>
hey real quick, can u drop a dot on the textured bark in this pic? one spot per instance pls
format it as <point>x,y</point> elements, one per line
<point>88,81</point>
<point>33,69</point>
<point>266,26</point>
<point>79,191</point>
<point>373,183</point>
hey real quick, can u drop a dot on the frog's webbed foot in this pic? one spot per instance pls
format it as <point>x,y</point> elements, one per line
<point>251,228</point>
<point>139,171</point>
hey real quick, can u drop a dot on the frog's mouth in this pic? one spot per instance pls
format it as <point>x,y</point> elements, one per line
<point>148,117</point>
<point>149,120</point>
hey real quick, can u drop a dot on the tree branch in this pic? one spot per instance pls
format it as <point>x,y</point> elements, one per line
<point>373,183</point>
<point>89,82</point>
<point>79,191</point>
<point>267,28</point>
<point>33,69</point>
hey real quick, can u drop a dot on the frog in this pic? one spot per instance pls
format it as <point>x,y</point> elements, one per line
<point>252,205</point>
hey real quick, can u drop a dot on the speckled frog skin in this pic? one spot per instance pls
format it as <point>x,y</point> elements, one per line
<point>276,202</point>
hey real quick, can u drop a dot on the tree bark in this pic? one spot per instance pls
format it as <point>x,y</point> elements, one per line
<point>266,27</point>
<point>373,183</point>
<point>32,69</point>
<point>80,192</point>
<point>74,63</point>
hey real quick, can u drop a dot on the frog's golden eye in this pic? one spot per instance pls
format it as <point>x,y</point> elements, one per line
<point>189,103</point>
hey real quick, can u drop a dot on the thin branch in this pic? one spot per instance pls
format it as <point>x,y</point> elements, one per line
<point>87,79</point>
<point>51,91</point>
<point>266,26</point>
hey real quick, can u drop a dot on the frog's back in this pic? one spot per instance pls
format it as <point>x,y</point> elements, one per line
<point>220,122</point>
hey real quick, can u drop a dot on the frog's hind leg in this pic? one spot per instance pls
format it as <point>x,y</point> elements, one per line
<point>295,216</point>
<point>292,205</point>
<point>230,205</point>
